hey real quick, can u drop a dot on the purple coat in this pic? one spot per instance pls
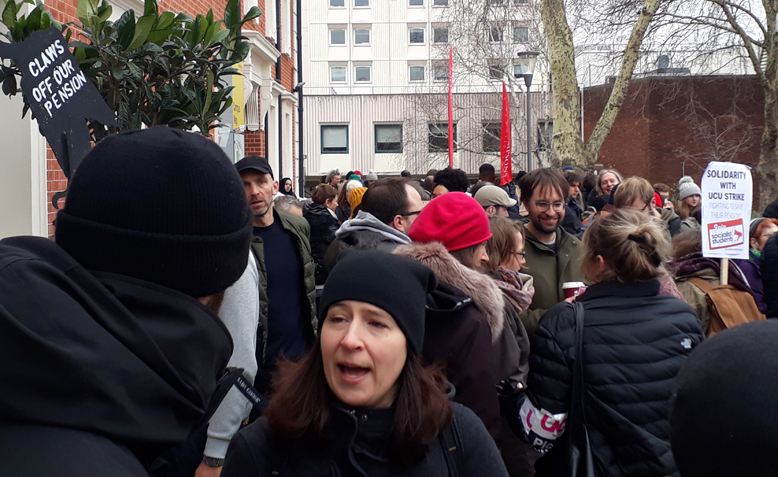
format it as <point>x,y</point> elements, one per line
<point>753,274</point>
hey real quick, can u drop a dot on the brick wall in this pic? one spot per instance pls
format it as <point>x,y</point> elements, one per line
<point>254,143</point>
<point>671,126</point>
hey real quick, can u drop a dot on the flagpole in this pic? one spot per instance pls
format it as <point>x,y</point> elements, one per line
<point>450,107</point>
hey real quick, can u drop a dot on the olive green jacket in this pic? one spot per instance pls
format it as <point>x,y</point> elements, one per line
<point>550,270</point>
<point>302,231</point>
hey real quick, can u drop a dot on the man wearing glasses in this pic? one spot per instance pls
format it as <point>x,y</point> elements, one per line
<point>553,256</point>
<point>388,209</point>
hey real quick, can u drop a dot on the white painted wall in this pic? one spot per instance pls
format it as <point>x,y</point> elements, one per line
<point>23,204</point>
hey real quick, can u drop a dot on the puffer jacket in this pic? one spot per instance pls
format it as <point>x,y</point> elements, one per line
<point>507,346</point>
<point>634,344</point>
<point>769,268</point>
<point>357,442</point>
<point>323,227</point>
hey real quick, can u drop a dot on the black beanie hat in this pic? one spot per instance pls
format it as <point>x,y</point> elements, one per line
<point>397,285</point>
<point>725,411</point>
<point>161,205</point>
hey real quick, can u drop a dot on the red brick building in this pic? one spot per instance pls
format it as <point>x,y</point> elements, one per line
<point>31,176</point>
<point>671,126</point>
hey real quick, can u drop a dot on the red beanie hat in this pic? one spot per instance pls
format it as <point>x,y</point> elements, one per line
<point>455,219</point>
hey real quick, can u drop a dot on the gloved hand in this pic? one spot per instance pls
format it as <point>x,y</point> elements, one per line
<point>511,396</point>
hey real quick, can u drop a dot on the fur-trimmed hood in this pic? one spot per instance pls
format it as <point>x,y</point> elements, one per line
<point>481,288</point>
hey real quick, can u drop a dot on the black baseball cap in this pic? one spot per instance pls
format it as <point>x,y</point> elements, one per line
<point>256,163</point>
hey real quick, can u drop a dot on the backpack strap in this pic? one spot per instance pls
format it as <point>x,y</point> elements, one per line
<point>452,450</point>
<point>700,283</point>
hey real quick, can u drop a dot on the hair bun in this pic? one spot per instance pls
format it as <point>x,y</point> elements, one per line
<point>637,238</point>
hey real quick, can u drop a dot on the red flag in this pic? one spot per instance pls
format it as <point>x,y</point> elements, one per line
<point>450,107</point>
<point>506,165</point>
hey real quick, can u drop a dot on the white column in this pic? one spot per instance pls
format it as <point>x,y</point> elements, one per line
<point>23,199</point>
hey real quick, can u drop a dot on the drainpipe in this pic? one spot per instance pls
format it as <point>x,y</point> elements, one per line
<point>301,171</point>
<point>267,144</point>
<point>278,79</point>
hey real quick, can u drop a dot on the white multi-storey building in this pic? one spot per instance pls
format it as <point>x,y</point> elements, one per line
<point>376,74</point>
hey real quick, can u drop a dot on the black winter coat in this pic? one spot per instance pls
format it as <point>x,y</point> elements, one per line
<point>457,337</point>
<point>101,372</point>
<point>769,268</point>
<point>357,443</point>
<point>634,344</point>
<point>323,228</point>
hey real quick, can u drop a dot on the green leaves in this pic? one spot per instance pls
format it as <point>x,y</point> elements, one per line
<point>159,68</point>
<point>9,14</point>
<point>232,14</point>
<point>252,14</point>
<point>142,30</point>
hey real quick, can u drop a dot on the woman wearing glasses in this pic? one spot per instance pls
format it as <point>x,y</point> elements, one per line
<point>506,257</point>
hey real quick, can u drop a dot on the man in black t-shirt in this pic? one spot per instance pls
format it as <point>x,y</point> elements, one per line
<point>286,272</point>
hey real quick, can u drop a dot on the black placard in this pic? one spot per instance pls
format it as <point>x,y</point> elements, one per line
<point>59,94</point>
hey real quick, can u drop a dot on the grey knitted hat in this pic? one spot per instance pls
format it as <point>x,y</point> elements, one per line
<point>687,188</point>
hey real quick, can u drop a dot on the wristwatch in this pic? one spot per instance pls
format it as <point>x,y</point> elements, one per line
<point>213,461</point>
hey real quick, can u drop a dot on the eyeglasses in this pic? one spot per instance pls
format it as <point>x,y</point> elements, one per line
<point>409,214</point>
<point>522,254</point>
<point>543,206</point>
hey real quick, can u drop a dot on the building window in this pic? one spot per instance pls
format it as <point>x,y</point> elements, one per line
<point>520,34</point>
<point>362,74</point>
<point>362,36</point>
<point>337,37</point>
<point>438,137</point>
<point>417,73</point>
<point>337,3</point>
<point>495,34</point>
<point>338,74</point>
<point>440,2</point>
<point>416,35</point>
<point>334,139</point>
<point>440,35</point>
<point>440,73</point>
<point>416,3</point>
<point>517,73</point>
<point>491,137</point>
<point>388,138</point>
<point>496,71</point>
<point>361,3</point>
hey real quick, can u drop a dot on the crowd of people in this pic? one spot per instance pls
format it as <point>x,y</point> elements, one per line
<point>562,324</point>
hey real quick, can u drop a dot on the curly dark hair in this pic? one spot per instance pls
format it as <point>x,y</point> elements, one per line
<point>455,180</point>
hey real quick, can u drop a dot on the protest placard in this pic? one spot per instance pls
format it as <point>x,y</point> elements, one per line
<point>59,94</point>
<point>727,193</point>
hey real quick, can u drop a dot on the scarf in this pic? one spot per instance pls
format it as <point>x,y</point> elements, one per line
<point>512,287</point>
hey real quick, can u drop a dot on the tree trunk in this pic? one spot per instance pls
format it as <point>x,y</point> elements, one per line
<point>621,86</point>
<point>767,170</point>
<point>568,144</point>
